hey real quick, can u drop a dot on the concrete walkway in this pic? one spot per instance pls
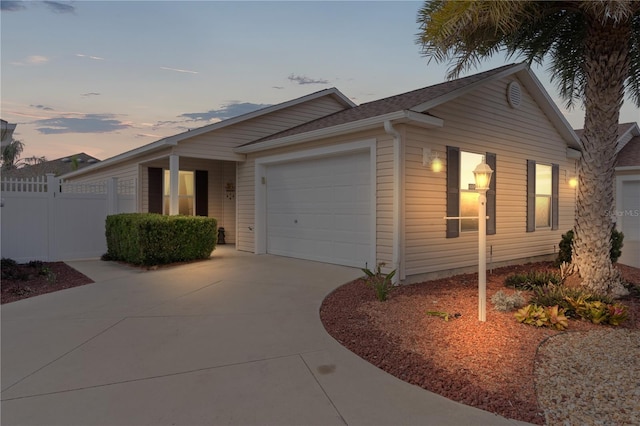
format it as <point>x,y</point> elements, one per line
<point>235,340</point>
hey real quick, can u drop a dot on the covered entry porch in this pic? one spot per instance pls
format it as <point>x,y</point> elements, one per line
<point>191,186</point>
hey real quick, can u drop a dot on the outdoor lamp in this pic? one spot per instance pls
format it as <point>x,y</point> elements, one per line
<point>432,160</point>
<point>482,174</point>
<point>436,164</point>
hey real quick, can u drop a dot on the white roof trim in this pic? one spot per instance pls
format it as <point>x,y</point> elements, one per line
<point>173,140</point>
<point>627,168</point>
<point>535,88</point>
<point>325,132</point>
<point>631,132</point>
<point>551,110</point>
<point>468,88</point>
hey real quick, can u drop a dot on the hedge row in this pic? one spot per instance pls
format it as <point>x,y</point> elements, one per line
<point>155,239</point>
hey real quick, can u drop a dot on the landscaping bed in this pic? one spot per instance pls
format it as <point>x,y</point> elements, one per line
<point>489,365</point>
<point>27,280</point>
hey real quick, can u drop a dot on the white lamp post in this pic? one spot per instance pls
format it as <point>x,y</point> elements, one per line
<point>482,175</point>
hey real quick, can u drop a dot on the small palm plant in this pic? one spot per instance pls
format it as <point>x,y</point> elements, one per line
<point>381,283</point>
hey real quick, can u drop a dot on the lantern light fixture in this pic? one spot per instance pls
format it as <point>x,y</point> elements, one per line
<point>432,160</point>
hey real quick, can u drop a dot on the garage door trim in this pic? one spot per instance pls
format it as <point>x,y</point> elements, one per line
<point>262,163</point>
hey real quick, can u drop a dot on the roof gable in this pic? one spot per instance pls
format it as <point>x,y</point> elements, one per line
<point>175,139</point>
<point>419,102</point>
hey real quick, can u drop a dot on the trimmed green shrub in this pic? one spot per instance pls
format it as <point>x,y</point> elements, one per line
<point>154,239</point>
<point>566,246</point>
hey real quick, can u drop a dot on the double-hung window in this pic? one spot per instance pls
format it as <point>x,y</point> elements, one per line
<point>462,197</point>
<point>542,196</point>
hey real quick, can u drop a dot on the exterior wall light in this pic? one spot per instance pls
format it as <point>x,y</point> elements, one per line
<point>431,159</point>
<point>573,182</point>
<point>482,174</point>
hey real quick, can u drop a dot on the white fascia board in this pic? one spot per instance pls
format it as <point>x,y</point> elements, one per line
<point>146,149</point>
<point>634,130</point>
<point>364,124</point>
<point>573,153</point>
<point>549,107</point>
<point>267,110</point>
<point>424,119</point>
<point>468,88</point>
<point>325,132</point>
<point>628,169</point>
<point>173,140</point>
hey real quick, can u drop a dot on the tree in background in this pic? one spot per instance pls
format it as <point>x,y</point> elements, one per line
<point>11,153</point>
<point>11,157</point>
<point>593,48</point>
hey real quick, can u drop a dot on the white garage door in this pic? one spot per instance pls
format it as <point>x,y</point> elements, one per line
<point>629,223</point>
<point>320,209</point>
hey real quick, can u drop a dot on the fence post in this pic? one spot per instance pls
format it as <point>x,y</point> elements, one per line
<point>112,196</point>
<point>53,187</point>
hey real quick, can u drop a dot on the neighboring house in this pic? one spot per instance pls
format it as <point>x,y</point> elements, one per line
<point>57,167</point>
<point>6,133</point>
<point>627,191</point>
<point>322,179</point>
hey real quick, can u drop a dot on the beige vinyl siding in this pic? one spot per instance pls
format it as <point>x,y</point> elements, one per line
<point>483,122</point>
<point>246,205</point>
<point>220,144</point>
<point>124,171</point>
<point>384,199</point>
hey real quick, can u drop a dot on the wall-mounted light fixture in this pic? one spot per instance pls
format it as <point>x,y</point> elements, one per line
<point>572,181</point>
<point>431,159</point>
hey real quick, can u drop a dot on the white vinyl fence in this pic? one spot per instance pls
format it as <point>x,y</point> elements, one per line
<point>48,219</point>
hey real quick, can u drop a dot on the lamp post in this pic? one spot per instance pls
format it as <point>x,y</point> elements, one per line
<point>482,174</point>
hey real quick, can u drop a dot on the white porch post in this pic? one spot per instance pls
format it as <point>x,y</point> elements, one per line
<point>174,168</point>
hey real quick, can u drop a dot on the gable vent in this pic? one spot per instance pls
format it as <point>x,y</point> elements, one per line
<point>514,94</point>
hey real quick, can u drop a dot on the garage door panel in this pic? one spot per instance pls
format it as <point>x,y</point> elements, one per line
<point>320,209</point>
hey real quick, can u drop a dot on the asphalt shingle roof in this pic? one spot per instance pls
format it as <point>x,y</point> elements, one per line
<point>404,101</point>
<point>630,154</point>
<point>58,167</point>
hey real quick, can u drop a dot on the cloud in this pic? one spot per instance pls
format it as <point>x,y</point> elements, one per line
<point>85,123</point>
<point>233,109</point>
<point>37,60</point>
<point>301,79</point>
<point>86,95</point>
<point>178,70</point>
<point>42,107</point>
<point>11,6</point>
<point>277,87</point>
<point>58,7</point>
<point>97,58</point>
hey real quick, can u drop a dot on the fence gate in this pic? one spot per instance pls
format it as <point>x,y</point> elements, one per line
<point>48,219</point>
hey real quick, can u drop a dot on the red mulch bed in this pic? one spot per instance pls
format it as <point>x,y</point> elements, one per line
<point>45,277</point>
<point>486,365</point>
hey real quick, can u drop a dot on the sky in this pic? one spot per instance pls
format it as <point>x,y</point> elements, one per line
<point>105,77</point>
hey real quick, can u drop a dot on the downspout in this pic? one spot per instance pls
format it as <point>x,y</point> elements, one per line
<point>397,201</point>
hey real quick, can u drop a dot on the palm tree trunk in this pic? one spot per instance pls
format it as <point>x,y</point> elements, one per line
<point>606,66</point>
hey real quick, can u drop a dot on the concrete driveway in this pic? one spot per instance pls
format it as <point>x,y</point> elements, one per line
<point>235,340</point>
